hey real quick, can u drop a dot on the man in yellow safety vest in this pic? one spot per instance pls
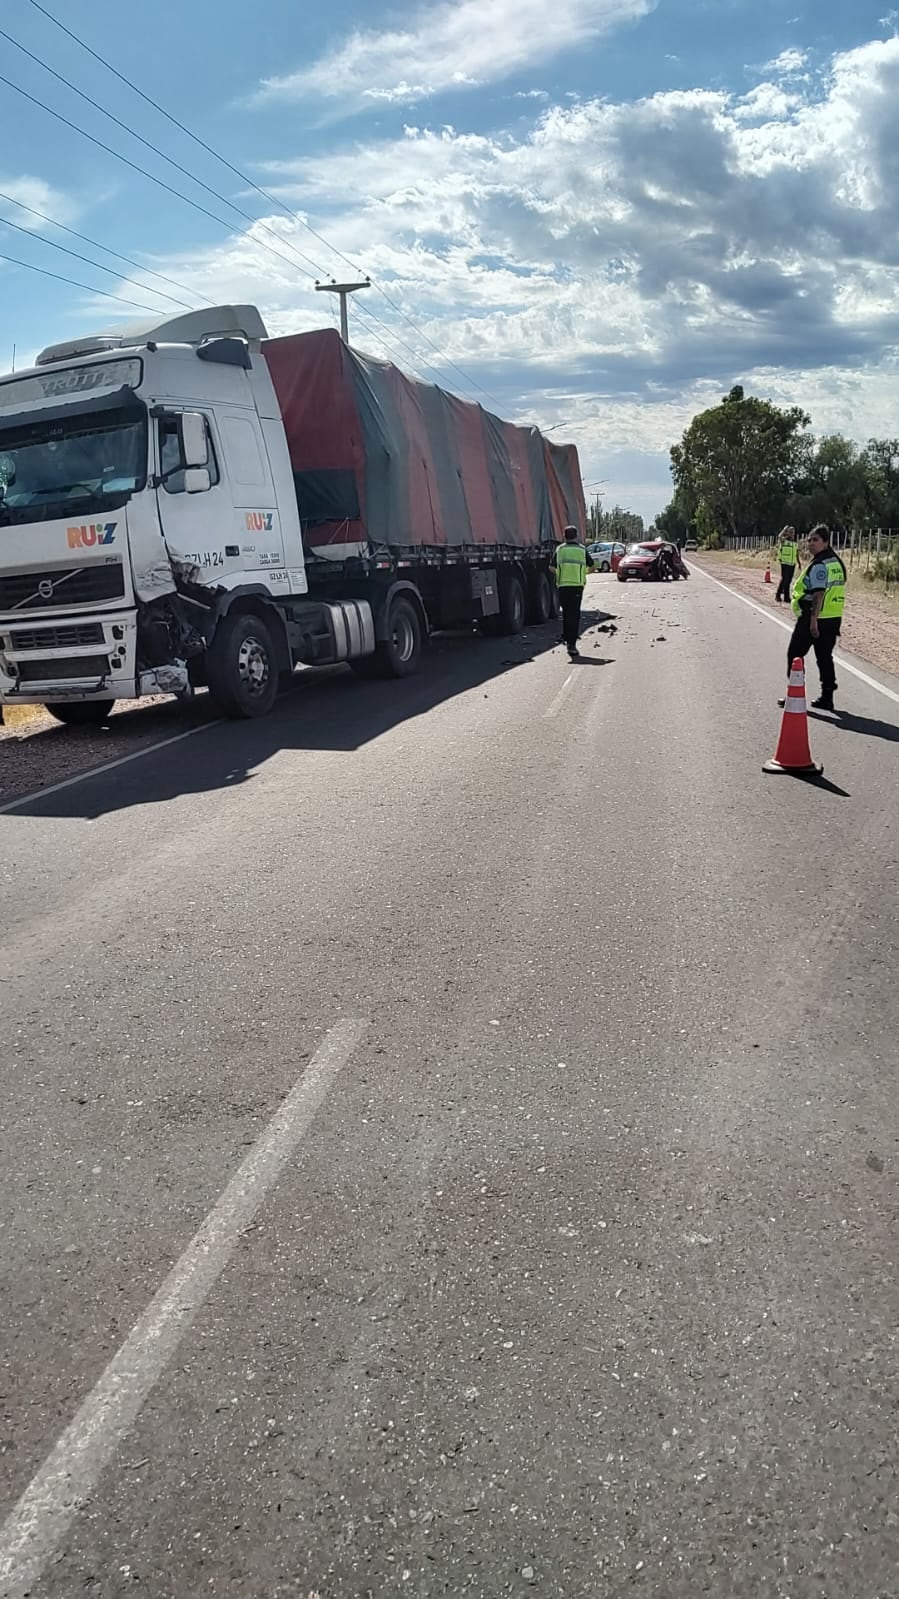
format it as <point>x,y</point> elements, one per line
<point>570,574</point>
<point>787,554</point>
<point>819,596</point>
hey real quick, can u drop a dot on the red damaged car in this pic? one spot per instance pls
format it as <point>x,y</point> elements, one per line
<point>651,560</point>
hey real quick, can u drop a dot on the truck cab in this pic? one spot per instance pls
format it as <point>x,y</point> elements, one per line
<point>146,495</point>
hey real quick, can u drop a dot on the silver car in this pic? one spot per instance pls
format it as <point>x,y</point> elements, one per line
<point>605,556</point>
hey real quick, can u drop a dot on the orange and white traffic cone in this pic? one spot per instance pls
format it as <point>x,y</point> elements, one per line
<point>767,574</point>
<point>793,753</point>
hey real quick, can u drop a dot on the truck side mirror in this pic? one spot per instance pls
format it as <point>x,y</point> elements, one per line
<point>196,479</point>
<point>194,445</point>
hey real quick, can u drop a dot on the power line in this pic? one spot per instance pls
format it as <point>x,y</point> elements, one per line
<point>134,166</point>
<point>170,189</point>
<point>30,267</point>
<point>88,260</point>
<point>265,193</point>
<point>96,245</point>
<point>149,145</point>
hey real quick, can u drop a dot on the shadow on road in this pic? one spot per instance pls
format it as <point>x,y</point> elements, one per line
<point>325,709</point>
<point>847,722</point>
<point>817,780</point>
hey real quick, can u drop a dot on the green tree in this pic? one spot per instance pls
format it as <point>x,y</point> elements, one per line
<point>737,463</point>
<point>616,525</point>
<point>672,524</point>
<point>880,458</point>
<point>834,485</point>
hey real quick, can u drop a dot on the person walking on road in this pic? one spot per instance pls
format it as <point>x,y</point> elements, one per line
<point>570,573</point>
<point>819,595</point>
<point>787,554</point>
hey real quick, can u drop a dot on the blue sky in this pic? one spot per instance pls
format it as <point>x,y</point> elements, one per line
<point>602,213</point>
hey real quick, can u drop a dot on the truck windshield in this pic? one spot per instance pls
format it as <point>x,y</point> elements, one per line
<point>71,469</point>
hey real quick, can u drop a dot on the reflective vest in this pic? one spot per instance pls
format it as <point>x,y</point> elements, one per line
<point>571,566</point>
<point>834,594</point>
<point>788,552</point>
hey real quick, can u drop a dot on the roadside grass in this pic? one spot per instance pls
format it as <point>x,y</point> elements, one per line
<point>16,716</point>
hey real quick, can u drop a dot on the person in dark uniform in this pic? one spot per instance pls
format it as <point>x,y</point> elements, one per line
<point>819,596</point>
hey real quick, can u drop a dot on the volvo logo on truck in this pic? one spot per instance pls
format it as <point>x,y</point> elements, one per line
<point>90,534</point>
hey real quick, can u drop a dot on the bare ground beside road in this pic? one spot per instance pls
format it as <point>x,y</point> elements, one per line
<point>36,752</point>
<point>871,623</point>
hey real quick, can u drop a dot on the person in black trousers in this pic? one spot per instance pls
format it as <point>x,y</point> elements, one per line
<point>570,575</point>
<point>787,555</point>
<point>818,600</point>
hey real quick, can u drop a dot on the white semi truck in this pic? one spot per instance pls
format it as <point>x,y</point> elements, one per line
<point>193,503</point>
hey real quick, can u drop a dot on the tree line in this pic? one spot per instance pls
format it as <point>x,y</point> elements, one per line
<point>747,467</point>
<point>615,526</point>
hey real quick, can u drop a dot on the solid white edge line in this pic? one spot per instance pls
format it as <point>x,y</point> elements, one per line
<point>554,706</point>
<point>844,665</point>
<point>45,1512</point>
<point>106,766</point>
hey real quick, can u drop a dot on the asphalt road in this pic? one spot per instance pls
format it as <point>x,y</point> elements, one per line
<point>569,1264</point>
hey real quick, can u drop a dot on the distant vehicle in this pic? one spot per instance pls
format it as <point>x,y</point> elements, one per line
<point>605,557</point>
<point>691,544</point>
<point>652,561</point>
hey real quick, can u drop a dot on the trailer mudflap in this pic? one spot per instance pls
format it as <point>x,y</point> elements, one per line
<point>485,590</point>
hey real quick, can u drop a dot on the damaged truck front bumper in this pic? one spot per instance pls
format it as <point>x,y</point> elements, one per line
<point>78,659</point>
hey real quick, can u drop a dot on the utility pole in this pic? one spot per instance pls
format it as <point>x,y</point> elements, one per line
<point>344,290</point>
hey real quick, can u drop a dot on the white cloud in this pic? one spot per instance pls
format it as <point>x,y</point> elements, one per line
<point>37,194</point>
<point>451,45</point>
<point>789,64</point>
<point>767,102</point>
<point>619,265</point>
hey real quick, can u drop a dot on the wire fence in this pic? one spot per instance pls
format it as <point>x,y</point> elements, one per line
<point>859,547</point>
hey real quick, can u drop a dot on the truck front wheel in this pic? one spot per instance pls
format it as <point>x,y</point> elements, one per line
<point>80,713</point>
<point>243,666</point>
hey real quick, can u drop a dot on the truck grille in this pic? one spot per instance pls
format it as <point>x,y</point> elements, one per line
<point>57,638</point>
<point>79,585</point>
<point>56,671</point>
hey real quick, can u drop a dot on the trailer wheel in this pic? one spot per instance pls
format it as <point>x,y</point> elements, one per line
<point>80,713</point>
<point>511,604</point>
<point>401,651</point>
<point>243,666</point>
<point>541,599</point>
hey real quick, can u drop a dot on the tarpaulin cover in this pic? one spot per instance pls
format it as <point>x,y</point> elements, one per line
<point>381,459</point>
